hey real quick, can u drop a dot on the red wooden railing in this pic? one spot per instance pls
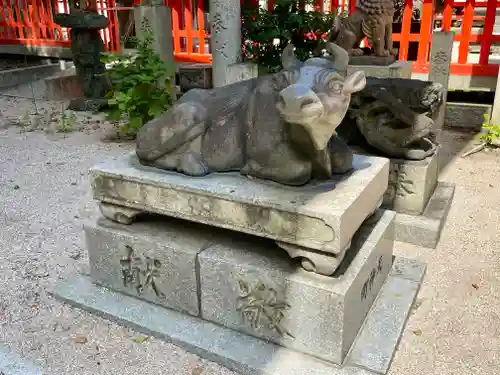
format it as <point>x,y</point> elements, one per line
<point>30,23</point>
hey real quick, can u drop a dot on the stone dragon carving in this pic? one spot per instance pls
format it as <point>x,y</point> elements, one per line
<point>278,127</point>
<point>371,19</point>
<point>394,117</point>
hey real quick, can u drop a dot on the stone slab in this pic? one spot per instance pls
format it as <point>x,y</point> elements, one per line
<point>411,184</point>
<point>398,69</point>
<point>241,72</point>
<point>371,60</point>
<point>242,353</point>
<point>21,76</point>
<point>195,76</point>
<point>155,261</point>
<point>313,314</point>
<point>379,338</point>
<point>322,216</point>
<point>425,230</point>
<point>467,116</point>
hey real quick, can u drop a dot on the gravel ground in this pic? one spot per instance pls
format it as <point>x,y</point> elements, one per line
<point>45,197</point>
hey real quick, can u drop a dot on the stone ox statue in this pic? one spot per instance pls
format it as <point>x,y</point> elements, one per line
<point>279,127</point>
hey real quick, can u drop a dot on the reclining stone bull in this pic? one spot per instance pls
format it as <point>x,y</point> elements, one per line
<point>279,127</point>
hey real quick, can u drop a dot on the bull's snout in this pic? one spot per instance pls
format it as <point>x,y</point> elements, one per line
<point>297,99</point>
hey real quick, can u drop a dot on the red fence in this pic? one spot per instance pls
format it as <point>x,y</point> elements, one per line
<point>30,23</point>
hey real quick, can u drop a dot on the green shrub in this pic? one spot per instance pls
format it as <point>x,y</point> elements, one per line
<point>141,85</point>
<point>266,33</point>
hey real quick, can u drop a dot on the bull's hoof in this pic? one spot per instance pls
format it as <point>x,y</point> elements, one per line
<point>192,165</point>
<point>119,214</point>
<point>292,175</point>
<point>312,260</point>
<point>383,53</point>
<point>356,52</point>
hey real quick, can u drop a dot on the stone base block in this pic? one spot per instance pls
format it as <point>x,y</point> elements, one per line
<point>398,69</point>
<point>411,184</point>
<point>195,76</point>
<point>371,60</point>
<point>321,217</point>
<point>249,289</point>
<point>425,230</point>
<point>63,86</point>
<point>371,353</point>
<point>155,261</point>
<point>466,116</point>
<point>241,72</point>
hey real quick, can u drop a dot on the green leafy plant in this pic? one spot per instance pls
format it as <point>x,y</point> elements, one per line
<point>490,136</point>
<point>142,85</point>
<point>67,122</point>
<point>266,33</point>
<point>491,133</point>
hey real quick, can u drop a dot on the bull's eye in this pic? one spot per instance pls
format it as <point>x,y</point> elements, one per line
<point>335,86</point>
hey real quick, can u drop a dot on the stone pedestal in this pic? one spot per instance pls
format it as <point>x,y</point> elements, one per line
<point>228,280</point>
<point>242,302</point>
<point>195,76</point>
<point>411,184</point>
<point>221,265</point>
<point>420,201</point>
<point>315,222</point>
<point>319,316</point>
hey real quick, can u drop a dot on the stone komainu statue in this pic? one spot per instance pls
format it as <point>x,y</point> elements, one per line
<point>371,19</point>
<point>278,127</point>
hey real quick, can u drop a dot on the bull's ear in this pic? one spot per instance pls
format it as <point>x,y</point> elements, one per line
<point>354,83</point>
<point>288,59</point>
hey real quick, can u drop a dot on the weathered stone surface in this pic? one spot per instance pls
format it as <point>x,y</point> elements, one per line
<point>225,38</point>
<point>398,69</point>
<point>80,19</point>
<point>439,68</point>
<point>322,216</point>
<point>425,230</point>
<point>411,184</point>
<point>155,261</point>
<point>376,344</point>
<point>158,18</point>
<point>87,48</point>
<point>245,354</point>
<point>371,60</point>
<point>241,72</point>
<point>393,118</point>
<point>247,288</point>
<point>195,76</point>
<point>467,116</point>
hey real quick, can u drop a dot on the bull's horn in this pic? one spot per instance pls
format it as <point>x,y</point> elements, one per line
<point>340,57</point>
<point>288,59</point>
